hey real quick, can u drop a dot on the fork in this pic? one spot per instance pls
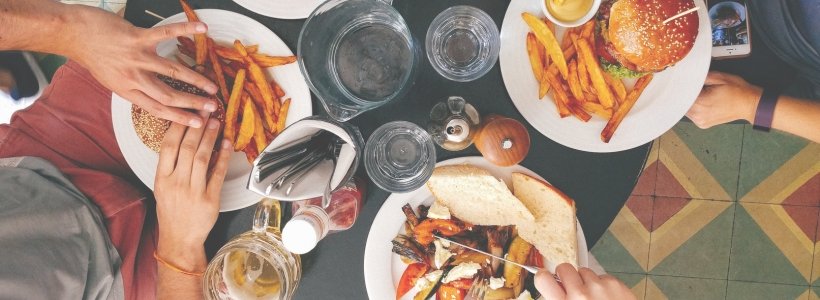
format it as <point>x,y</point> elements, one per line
<point>479,288</point>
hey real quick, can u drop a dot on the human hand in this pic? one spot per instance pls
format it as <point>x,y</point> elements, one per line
<point>580,284</point>
<point>123,58</point>
<point>187,199</point>
<point>724,98</point>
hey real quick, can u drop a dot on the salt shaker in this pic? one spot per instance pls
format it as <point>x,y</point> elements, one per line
<point>453,123</point>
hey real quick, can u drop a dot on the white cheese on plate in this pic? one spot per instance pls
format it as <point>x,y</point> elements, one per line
<point>496,283</point>
<point>442,254</point>
<point>525,295</point>
<point>428,279</point>
<point>464,270</point>
<point>438,211</point>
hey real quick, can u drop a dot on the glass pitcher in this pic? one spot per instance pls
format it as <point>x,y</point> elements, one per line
<point>255,264</point>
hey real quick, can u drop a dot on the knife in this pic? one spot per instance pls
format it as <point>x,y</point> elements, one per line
<point>531,269</point>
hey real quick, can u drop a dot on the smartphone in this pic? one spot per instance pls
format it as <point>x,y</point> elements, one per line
<point>731,33</point>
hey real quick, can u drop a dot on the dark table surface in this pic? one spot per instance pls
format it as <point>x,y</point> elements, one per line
<point>600,183</point>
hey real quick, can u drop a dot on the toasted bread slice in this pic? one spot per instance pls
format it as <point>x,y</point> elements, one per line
<point>475,196</point>
<point>553,233</point>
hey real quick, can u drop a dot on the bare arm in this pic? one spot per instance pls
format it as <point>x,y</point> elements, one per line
<point>172,284</point>
<point>119,55</point>
<point>727,98</point>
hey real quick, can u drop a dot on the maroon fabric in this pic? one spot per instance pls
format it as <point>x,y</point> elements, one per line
<point>70,126</point>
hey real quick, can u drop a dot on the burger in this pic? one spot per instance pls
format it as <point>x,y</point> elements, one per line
<point>151,129</point>
<point>633,39</point>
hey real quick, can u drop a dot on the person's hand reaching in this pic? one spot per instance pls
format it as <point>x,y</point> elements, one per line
<point>124,59</point>
<point>724,98</point>
<point>581,285</point>
<point>187,196</point>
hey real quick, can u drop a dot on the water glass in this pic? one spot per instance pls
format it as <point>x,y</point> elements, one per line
<point>463,43</point>
<point>400,157</point>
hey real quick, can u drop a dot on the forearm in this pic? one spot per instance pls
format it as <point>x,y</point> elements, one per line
<point>798,116</point>
<point>34,25</point>
<point>172,284</point>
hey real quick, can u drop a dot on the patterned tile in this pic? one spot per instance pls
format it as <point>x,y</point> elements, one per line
<point>691,238</point>
<point>646,183</point>
<point>740,290</point>
<point>624,247</point>
<point>636,282</point>
<point>766,154</point>
<point>796,181</point>
<point>776,238</point>
<point>670,287</point>
<point>699,164</point>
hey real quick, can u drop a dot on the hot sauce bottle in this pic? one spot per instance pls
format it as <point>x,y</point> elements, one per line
<point>311,223</point>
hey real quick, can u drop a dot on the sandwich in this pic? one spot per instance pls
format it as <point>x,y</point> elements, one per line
<point>633,38</point>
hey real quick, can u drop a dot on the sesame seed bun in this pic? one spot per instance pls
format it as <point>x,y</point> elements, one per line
<point>640,38</point>
<point>151,129</point>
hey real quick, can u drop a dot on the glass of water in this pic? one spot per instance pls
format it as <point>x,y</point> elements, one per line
<point>463,43</point>
<point>400,157</point>
<point>356,55</point>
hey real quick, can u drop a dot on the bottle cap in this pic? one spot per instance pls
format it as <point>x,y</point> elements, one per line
<point>300,235</point>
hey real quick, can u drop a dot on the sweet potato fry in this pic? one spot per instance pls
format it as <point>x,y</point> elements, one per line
<point>597,109</point>
<point>283,116</point>
<point>574,83</point>
<point>251,152</point>
<point>258,132</point>
<point>258,77</point>
<point>200,39</point>
<point>248,125</point>
<point>228,53</point>
<point>536,61</point>
<point>622,111</point>
<point>232,112</point>
<point>617,86</point>
<point>186,46</point>
<point>595,73</point>
<point>216,64</point>
<point>560,96</point>
<point>267,61</point>
<point>277,90</point>
<point>268,115</point>
<point>547,38</point>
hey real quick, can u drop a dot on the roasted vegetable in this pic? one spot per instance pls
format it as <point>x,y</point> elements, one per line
<point>447,292</point>
<point>431,289</point>
<point>423,233</point>
<point>407,248</point>
<point>409,278</point>
<point>519,252</point>
<point>499,294</point>
<point>470,256</point>
<point>412,219</point>
<point>497,238</point>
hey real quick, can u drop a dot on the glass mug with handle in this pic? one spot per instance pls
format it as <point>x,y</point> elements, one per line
<point>255,264</point>
<point>357,55</point>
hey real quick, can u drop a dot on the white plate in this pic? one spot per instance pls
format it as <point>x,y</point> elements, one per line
<point>223,27</point>
<point>382,268</point>
<point>281,9</point>
<point>663,103</point>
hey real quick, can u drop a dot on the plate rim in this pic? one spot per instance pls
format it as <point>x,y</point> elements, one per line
<point>290,10</point>
<point>124,130</point>
<point>373,275</point>
<point>660,123</point>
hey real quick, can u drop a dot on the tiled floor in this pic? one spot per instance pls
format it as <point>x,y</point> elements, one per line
<point>723,213</point>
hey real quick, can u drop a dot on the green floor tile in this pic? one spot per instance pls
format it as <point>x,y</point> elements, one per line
<point>756,258</point>
<point>740,290</point>
<point>706,253</point>
<point>718,149</point>
<point>763,153</point>
<point>613,256</point>
<point>636,282</point>
<point>670,287</point>
<point>815,294</point>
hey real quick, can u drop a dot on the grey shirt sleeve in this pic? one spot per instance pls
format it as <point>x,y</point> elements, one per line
<point>53,240</point>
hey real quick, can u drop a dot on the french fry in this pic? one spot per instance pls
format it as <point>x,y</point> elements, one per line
<point>578,112</point>
<point>617,86</point>
<point>232,112</point>
<point>283,116</point>
<point>559,94</point>
<point>216,64</point>
<point>186,46</point>
<point>259,79</point>
<point>597,109</point>
<point>268,115</point>
<point>588,29</point>
<point>569,53</point>
<point>536,61</point>
<point>591,97</point>
<point>267,61</point>
<point>623,110</point>
<point>246,129</point>
<point>200,39</point>
<point>251,152</point>
<point>583,77</point>
<point>277,90</point>
<point>549,23</point>
<point>565,41</point>
<point>258,133</point>
<point>547,38</point>
<point>595,73</point>
<point>574,83</point>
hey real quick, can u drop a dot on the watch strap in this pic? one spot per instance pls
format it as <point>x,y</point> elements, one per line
<point>764,114</point>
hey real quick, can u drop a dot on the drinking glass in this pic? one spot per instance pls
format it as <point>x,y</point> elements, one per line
<point>356,55</point>
<point>463,43</point>
<point>400,157</point>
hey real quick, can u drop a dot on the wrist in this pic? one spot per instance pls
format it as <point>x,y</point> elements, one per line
<point>751,103</point>
<point>185,256</point>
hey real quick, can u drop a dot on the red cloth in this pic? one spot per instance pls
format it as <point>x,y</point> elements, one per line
<point>70,126</point>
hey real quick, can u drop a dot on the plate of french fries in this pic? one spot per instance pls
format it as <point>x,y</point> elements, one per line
<point>556,81</point>
<point>261,90</point>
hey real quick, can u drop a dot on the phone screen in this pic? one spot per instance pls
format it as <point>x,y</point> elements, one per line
<point>729,22</point>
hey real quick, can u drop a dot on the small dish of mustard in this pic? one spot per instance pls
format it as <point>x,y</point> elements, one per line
<point>570,13</point>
